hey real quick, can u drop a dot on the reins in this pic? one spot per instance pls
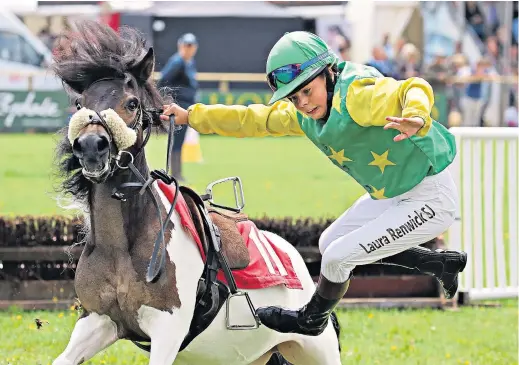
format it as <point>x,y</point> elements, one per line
<point>145,119</point>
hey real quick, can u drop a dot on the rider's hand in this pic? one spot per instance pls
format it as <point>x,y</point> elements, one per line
<point>407,126</point>
<point>181,115</point>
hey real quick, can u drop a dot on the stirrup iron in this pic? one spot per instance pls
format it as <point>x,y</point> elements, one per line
<point>251,307</point>
<point>238,194</point>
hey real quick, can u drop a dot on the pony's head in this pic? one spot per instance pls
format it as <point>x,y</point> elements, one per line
<point>110,78</point>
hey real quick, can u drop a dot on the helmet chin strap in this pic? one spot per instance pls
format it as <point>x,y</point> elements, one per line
<point>331,79</point>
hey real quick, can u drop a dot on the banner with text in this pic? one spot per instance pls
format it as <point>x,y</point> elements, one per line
<point>48,111</point>
<point>22,111</point>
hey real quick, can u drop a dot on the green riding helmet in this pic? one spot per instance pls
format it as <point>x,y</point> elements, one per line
<point>294,59</point>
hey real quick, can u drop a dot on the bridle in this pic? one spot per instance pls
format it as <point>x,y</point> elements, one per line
<point>143,122</point>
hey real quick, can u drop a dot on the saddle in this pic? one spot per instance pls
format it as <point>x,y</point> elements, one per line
<point>231,241</point>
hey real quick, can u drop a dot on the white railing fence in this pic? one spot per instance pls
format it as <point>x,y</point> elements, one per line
<point>486,227</point>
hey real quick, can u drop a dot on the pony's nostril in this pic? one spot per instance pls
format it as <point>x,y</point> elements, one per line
<point>76,148</point>
<point>103,144</point>
<point>90,146</point>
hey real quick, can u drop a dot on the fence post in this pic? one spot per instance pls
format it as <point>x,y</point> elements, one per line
<point>486,227</point>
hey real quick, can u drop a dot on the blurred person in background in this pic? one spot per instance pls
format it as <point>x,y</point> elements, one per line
<point>458,49</point>
<point>337,39</point>
<point>491,19</point>
<point>475,19</point>
<point>396,57</point>
<point>515,25</point>
<point>458,69</point>
<point>490,72</point>
<point>438,71</point>
<point>493,51</point>
<point>380,61</point>
<point>374,128</point>
<point>397,51</point>
<point>510,116</point>
<point>344,49</point>
<point>47,37</point>
<point>513,70</point>
<point>410,66</point>
<point>388,46</point>
<point>477,94</point>
<point>512,67</point>
<point>179,74</point>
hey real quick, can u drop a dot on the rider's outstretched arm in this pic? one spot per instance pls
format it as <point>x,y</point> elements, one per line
<point>255,120</point>
<point>386,96</point>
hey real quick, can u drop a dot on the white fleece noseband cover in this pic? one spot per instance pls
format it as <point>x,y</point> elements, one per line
<point>123,136</point>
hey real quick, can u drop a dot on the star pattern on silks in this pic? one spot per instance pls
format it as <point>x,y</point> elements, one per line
<point>336,101</point>
<point>378,194</point>
<point>381,160</point>
<point>338,156</point>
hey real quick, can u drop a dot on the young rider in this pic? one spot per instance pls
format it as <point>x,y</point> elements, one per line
<point>377,130</point>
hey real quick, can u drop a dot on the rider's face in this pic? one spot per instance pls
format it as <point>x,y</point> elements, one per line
<point>312,99</point>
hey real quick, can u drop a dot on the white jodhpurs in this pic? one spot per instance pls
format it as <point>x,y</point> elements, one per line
<point>374,229</point>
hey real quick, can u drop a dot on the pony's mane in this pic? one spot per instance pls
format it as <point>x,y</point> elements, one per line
<point>93,51</point>
<point>87,53</point>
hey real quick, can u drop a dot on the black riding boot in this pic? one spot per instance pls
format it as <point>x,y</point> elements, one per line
<point>313,317</point>
<point>443,265</point>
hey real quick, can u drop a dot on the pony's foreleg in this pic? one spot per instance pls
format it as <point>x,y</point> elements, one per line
<point>166,331</point>
<point>91,334</point>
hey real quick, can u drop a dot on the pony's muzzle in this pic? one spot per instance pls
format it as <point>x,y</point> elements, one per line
<point>92,150</point>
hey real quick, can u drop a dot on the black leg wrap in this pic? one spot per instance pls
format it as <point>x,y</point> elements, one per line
<point>443,265</point>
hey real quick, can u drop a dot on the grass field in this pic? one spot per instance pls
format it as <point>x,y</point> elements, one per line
<point>471,336</point>
<point>282,177</point>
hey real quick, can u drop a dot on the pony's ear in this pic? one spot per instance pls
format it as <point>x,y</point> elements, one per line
<point>143,69</point>
<point>76,87</point>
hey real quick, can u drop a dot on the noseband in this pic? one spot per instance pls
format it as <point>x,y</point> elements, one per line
<point>122,134</point>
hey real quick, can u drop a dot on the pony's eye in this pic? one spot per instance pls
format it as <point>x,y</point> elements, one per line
<point>78,105</point>
<point>132,104</point>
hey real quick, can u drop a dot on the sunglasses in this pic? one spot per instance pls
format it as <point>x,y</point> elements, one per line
<point>286,74</point>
